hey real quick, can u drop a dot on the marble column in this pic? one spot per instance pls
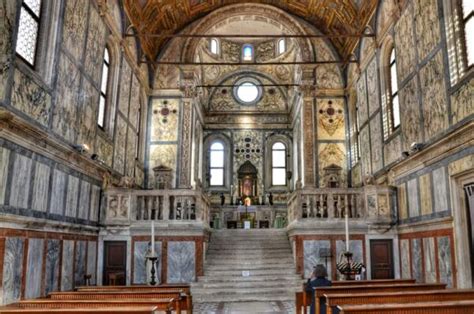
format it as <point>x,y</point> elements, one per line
<point>308,132</point>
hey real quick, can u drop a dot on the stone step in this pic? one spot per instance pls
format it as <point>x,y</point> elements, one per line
<point>279,266</point>
<point>230,278</point>
<point>275,295</point>
<point>232,255</point>
<point>249,246</point>
<point>230,249</point>
<point>253,261</point>
<point>293,284</point>
<point>255,272</point>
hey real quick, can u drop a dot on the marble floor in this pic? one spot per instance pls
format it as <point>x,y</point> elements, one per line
<point>245,307</point>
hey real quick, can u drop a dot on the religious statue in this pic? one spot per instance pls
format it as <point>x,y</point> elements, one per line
<point>270,198</point>
<point>222,199</point>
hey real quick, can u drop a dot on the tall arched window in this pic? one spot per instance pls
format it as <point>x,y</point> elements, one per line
<point>214,46</point>
<point>281,46</point>
<point>394,101</point>
<point>28,30</point>
<point>247,53</point>
<point>467,21</point>
<point>216,164</point>
<point>278,164</point>
<point>103,89</point>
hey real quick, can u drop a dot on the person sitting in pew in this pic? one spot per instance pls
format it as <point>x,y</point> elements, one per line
<point>318,279</point>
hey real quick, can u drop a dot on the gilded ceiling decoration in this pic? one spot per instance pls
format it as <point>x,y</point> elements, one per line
<point>165,17</point>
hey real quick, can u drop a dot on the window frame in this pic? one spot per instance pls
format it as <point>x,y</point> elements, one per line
<point>462,29</point>
<point>223,168</point>
<point>105,94</point>
<point>38,20</point>
<point>392,95</point>
<point>285,167</point>
<point>252,56</point>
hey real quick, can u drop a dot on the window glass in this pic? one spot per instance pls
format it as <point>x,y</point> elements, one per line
<point>216,164</point>
<point>469,38</point>
<point>281,46</point>
<point>217,177</point>
<point>247,92</point>
<point>278,176</point>
<point>394,105</point>
<point>278,164</point>
<point>28,30</point>
<point>248,53</point>
<point>214,46</point>
<point>103,89</point>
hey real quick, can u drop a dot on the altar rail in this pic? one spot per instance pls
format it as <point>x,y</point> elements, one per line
<point>374,202</point>
<point>124,206</point>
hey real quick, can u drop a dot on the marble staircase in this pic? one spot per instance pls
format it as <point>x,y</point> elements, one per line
<point>263,254</point>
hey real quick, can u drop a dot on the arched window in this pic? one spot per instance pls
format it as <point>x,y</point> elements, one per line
<point>214,46</point>
<point>247,52</point>
<point>467,22</point>
<point>278,164</point>
<point>103,89</point>
<point>216,164</point>
<point>28,30</point>
<point>394,101</point>
<point>281,46</point>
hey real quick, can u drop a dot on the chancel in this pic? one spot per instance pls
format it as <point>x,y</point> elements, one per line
<point>236,156</point>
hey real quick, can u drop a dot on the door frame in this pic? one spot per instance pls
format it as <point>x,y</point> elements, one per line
<point>395,252</point>
<point>391,241</point>
<point>104,258</point>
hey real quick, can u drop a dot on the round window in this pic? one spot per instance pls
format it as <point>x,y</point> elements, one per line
<point>247,91</point>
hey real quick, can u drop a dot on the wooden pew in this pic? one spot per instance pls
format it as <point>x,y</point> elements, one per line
<point>303,299</point>
<point>333,300</point>
<point>108,310</point>
<point>321,291</point>
<point>447,307</point>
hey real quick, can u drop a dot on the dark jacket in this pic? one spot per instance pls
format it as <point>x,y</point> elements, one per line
<point>318,282</point>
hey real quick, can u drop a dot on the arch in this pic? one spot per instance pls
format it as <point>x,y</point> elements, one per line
<point>222,143</point>
<point>280,143</point>
<point>385,80</point>
<point>113,47</point>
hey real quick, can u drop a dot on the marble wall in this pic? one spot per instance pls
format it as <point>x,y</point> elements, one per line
<point>312,255</point>
<point>12,270</point>
<point>141,266</point>
<point>181,261</point>
<point>34,268</point>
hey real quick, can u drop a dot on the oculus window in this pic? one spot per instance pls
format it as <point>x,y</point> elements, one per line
<point>248,91</point>
<point>28,30</point>
<point>216,164</point>
<point>278,164</point>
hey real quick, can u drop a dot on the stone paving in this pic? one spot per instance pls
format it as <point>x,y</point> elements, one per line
<point>245,307</point>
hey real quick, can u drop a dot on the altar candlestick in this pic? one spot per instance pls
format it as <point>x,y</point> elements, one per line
<point>347,233</point>
<point>152,238</point>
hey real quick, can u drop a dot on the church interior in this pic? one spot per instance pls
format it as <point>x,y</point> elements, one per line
<point>162,156</point>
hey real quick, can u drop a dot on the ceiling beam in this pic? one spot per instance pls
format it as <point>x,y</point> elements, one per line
<point>258,85</point>
<point>250,63</point>
<point>249,35</point>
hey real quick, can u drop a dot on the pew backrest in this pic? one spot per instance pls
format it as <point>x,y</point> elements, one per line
<point>447,307</point>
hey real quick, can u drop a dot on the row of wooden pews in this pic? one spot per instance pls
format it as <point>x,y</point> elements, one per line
<point>402,296</point>
<point>139,299</point>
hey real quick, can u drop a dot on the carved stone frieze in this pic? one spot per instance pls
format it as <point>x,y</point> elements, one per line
<point>427,26</point>
<point>410,111</point>
<point>185,147</point>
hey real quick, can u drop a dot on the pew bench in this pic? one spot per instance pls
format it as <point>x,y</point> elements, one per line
<point>103,310</point>
<point>333,300</point>
<point>447,307</point>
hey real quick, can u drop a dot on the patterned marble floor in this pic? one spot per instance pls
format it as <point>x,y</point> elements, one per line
<point>245,308</point>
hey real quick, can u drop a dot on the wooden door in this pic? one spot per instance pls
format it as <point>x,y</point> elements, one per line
<point>469,190</point>
<point>115,262</point>
<point>381,259</point>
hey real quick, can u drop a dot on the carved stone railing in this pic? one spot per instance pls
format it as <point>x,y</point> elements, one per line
<point>125,206</point>
<point>374,203</point>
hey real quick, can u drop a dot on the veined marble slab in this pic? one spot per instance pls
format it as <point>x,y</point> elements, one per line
<point>141,266</point>
<point>80,263</point>
<point>72,195</point>
<point>67,265</point>
<point>416,260</point>
<point>84,200</point>
<point>181,261</point>
<point>312,250</point>
<point>92,261</point>
<point>34,268</point>
<point>4,160</point>
<point>52,266</point>
<point>12,269</point>
<point>405,258</point>
<point>20,187</point>
<point>440,190</point>
<point>95,201</point>
<point>413,204</point>
<point>430,264</point>
<point>41,187</point>
<point>58,192</point>
<point>444,261</point>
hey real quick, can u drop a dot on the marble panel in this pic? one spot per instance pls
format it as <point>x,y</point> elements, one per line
<point>141,266</point>
<point>30,98</point>
<point>95,46</point>
<point>355,247</point>
<point>58,192</point>
<point>392,150</point>
<point>365,151</point>
<point>134,102</point>
<point>20,187</point>
<point>95,201</point>
<point>132,140</point>
<point>429,259</point>
<point>92,261</point>
<point>12,269</point>
<point>330,119</point>
<point>433,90</point>
<point>34,268</point>
<point>52,266</point>
<point>4,161</point>
<point>444,261</point>
<point>405,258</point>
<point>312,251</point>
<point>80,263</point>
<point>425,194</point>
<point>41,187</point>
<point>402,201</point>
<point>462,101</point>
<point>405,43</point>
<point>373,86</point>
<point>461,165</point>
<point>328,76</point>
<point>376,143</point>
<point>181,261</point>
<point>165,123</point>
<point>7,28</point>
<point>84,200</point>
<point>105,150</point>
<point>67,265</point>
<point>65,112</point>
<point>416,260</point>
<point>125,80</point>
<point>440,190</point>
<point>427,28</point>
<point>363,111</point>
<point>120,142</point>
<point>89,98</point>
<point>71,196</point>
<point>413,204</point>
<point>412,130</point>
<point>74,27</point>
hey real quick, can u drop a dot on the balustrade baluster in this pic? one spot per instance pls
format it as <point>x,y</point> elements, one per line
<point>347,209</point>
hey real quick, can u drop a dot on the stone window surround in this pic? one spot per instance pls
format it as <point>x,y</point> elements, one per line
<point>208,141</point>
<point>268,161</point>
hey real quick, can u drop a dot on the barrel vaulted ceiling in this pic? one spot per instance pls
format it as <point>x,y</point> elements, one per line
<point>166,17</point>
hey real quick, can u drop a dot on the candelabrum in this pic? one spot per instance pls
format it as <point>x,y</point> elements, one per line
<point>348,268</point>
<point>153,260</point>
